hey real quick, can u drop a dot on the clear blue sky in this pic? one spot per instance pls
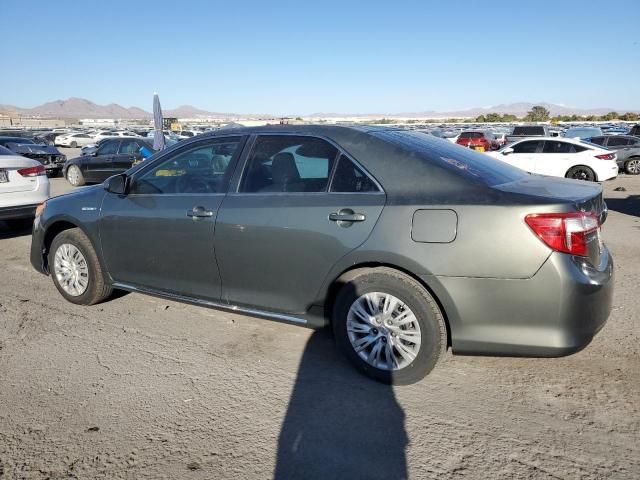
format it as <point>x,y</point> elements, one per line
<point>322,56</point>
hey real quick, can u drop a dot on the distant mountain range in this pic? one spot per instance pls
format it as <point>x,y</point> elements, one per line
<point>82,108</point>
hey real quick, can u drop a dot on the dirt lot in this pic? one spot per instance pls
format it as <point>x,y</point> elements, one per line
<point>144,388</point>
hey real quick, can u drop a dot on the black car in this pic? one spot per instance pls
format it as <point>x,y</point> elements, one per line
<point>48,155</point>
<point>113,156</point>
<point>626,146</point>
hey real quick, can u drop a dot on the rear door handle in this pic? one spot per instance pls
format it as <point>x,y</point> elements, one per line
<point>347,215</point>
<point>199,212</point>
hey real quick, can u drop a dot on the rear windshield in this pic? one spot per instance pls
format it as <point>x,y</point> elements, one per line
<point>475,166</point>
<point>471,135</point>
<point>5,151</point>
<point>528,130</point>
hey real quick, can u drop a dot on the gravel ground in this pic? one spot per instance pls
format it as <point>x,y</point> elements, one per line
<point>139,387</point>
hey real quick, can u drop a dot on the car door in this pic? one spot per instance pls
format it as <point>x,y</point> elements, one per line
<point>99,167</point>
<point>128,152</point>
<point>159,236</point>
<point>621,145</point>
<point>557,157</point>
<point>282,228</point>
<point>524,154</point>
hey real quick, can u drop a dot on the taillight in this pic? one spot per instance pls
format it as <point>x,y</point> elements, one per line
<point>32,171</point>
<point>606,156</point>
<point>565,232</point>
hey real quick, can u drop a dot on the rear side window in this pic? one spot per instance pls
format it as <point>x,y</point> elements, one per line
<point>526,147</point>
<point>618,142</point>
<point>349,178</point>
<point>597,140</point>
<point>285,163</point>
<point>561,147</point>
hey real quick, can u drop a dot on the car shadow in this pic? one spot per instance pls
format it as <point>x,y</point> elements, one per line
<point>339,424</point>
<point>15,229</point>
<point>628,206</point>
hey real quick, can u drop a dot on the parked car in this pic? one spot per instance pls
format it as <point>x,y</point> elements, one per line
<point>561,157</point>
<point>113,156</point>
<point>583,132</point>
<point>47,155</point>
<point>627,149</point>
<point>521,132</point>
<point>74,140</point>
<point>405,243</point>
<point>23,186</point>
<point>101,135</point>
<point>481,140</point>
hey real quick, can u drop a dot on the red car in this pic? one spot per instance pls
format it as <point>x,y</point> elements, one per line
<point>480,140</point>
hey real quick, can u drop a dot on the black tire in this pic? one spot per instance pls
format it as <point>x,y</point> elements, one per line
<point>581,172</point>
<point>74,144</point>
<point>632,166</point>
<point>80,177</point>
<point>433,332</point>
<point>98,288</point>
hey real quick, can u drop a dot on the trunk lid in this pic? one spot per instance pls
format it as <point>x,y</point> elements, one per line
<point>563,195</point>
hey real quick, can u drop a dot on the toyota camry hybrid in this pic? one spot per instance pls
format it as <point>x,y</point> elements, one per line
<point>404,243</point>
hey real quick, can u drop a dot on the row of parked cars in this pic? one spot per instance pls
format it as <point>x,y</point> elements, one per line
<point>584,153</point>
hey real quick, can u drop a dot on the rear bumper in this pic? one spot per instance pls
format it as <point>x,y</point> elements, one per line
<point>20,211</point>
<point>556,312</point>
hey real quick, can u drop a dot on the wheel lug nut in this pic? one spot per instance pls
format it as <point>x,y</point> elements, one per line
<point>374,331</point>
<point>384,339</point>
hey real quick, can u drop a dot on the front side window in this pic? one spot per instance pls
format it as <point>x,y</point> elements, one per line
<point>349,178</point>
<point>129,147</point>
<point>108,148</point>
<point>530,146</point>
<point>284,163</point>
<point>203,168</point>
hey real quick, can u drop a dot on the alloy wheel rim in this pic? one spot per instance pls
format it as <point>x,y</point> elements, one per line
<point>71,269</point>
<point>383,331</point>
<point>72,175</point>
<point>633,166</point>
<point>581,174</point>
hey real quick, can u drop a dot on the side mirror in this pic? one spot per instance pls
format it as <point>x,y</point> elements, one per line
<point>507,151</point>
<point>117,184</point>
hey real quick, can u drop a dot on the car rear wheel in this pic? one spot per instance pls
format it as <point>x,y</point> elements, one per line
<point>388,325</point>
<point>632,166</point>
<point>74,176</point>
<point>75,269</point>
<point>74,144</point>
<point>581,172</point>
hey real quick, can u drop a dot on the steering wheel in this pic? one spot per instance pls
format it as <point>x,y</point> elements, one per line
<point>192,184</point>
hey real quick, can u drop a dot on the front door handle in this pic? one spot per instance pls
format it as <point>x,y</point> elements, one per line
<point>346,216</point>
<point>199,212</point>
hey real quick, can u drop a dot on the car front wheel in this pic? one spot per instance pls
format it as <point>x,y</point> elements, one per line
<point>74,176</point>
<point>76,270</point>
<point>388,325</point>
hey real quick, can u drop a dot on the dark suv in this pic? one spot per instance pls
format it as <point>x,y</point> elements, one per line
<point>405,243</point>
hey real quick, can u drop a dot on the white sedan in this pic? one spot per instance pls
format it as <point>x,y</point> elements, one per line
<point>120,133</point>
<point>73,140</point>
<point>560,157</point>
<point>23,186</point>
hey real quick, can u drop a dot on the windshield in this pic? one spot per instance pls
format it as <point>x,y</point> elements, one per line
<point>462,161</point>
<point>528,130</point>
